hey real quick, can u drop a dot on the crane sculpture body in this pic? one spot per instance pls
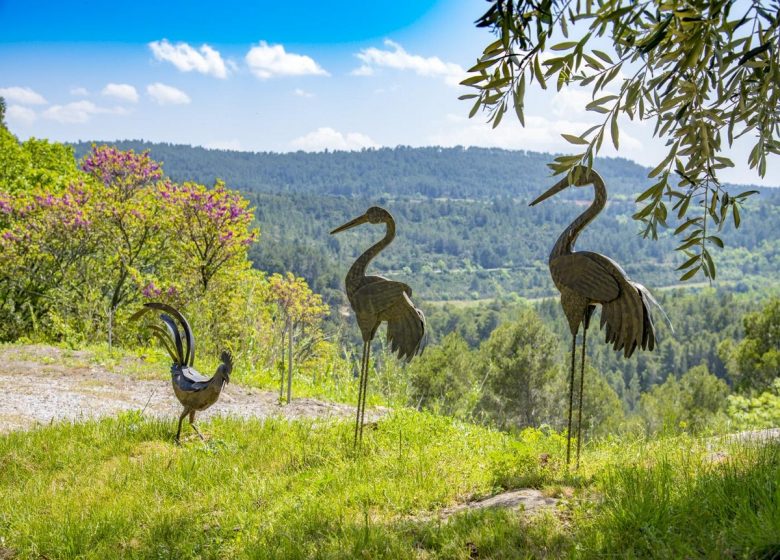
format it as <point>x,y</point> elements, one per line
<point>586,279</point>
<point>374,300</point>
<point>195,392</point>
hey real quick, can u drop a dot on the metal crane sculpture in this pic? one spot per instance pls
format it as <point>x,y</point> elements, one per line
<point>375,299</point>
<point>587,279</point>
<point>195,391</point>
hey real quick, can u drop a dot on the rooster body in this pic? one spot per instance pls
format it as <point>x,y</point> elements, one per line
<point>195,391</point>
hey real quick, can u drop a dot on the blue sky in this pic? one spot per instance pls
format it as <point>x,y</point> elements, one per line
<point>271,76</point>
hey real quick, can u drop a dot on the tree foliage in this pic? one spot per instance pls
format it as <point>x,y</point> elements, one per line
<point>76,245</point>
<point>690,403</point>
<point>754,362</point>
<point>704,73</point>
<point>444,379</point>
<point>517,364</point>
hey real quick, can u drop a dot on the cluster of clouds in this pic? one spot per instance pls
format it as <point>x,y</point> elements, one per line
<point>262,60</point>
<point>268,61</point>
<point>26,105</point>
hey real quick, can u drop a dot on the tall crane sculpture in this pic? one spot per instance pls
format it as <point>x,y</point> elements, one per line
<point>587,279</point>
<point>195,391</point>
<point>375,299</point>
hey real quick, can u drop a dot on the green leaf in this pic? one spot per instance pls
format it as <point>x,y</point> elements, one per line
<point>615,131</point>
<point>690,274</point>
<point>572,139</point>
<point>565,46</point>
<point>690,262</point>
<point>603,56</point>
<point>473,80</point>
<point>661,166</point>
<point>653,192</point>
<point>709,263</point>
<point>686,224</point>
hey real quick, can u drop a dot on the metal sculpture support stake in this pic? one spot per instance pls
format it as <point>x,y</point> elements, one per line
<point>588,279</point>
<point>195,391</point>
<point>375,299</point>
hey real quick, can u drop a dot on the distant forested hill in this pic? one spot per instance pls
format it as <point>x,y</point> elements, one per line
<point>390,172</point>
<point>465,230</point>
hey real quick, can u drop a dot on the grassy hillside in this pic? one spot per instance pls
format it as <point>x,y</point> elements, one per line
<point>276,489</point>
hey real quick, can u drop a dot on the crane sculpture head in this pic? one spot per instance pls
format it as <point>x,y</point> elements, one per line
<point>582,178</point>
<point>374,215</point>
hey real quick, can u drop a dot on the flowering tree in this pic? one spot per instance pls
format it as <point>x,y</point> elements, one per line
<point>131,223</point>
<point>300,307</point>
<point>213,227</point>
<point>43,236</point>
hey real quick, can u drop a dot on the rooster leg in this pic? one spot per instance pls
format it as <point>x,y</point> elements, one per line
<point>181,419</point>
<point>194,427</point>
<point>582,390</point>
<point>365,391</point>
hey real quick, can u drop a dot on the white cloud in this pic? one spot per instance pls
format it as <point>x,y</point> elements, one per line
<point>363,70</point>
<point>22,95</point>
<point>125,92</point>
<point>266,61</point>
<point>79,91</point>
<point>19,114</point>
<point>204,60</point>
<point>302,93</point>
<point>167,95</point>
<point>539,134</point>
<point>398,59</point>
<point>327,138</point>
<point>78,112</point>
<point>568,102</point>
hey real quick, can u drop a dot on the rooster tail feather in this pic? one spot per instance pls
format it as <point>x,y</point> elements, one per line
<point>189,356</point>
<point>173,330</point>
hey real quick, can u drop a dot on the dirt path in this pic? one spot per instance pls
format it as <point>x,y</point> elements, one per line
<point>40,384</point>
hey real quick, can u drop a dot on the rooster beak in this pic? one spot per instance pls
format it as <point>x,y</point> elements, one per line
<point>356,222</point>
<point>555,189</point>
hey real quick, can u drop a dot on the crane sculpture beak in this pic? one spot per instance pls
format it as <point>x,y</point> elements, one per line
<point>353,223</point>
<point>555,189</point>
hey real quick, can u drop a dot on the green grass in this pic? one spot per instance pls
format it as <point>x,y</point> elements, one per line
<point>277,489</point>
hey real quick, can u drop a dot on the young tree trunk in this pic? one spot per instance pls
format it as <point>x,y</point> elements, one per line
<point>110,329</point>
<point>281,366</point>
<point>289,360</point>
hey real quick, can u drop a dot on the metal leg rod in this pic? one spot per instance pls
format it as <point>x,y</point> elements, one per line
<point>360,392</point>
<point>365,391</point>
<point>582,391</point>
<point>571,398</point>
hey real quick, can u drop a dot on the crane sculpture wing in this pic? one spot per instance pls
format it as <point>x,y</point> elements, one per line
<point>406,330</point>
<point>389,301</point>
<point>586,274</point>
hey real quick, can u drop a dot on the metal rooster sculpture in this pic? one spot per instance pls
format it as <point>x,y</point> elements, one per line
<point>195,391</point>
<point>375,299</point>
<point>588,279</point>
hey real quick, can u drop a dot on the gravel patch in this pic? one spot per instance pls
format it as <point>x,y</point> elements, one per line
<point>39,389</point>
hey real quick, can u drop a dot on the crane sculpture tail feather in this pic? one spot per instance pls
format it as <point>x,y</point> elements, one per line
<point>406,333</point>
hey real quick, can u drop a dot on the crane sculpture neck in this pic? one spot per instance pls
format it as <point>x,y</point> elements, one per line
<point>565,243</point>
<point>358,270</point>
